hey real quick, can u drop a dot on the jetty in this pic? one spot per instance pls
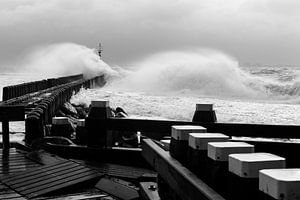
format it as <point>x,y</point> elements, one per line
<point>156,159</point>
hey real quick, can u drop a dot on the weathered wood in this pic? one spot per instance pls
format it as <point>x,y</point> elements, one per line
<point>45,179</point>
<point>148,191</point>
<point>12,113</point>
<point>156,129</point>
<point>179,178</point>
<point>14,162</point>
<point>128,172</point>
<point>125,156</point>
<point>43,157</point>
<point>117,189</point>
<point>5,135</point>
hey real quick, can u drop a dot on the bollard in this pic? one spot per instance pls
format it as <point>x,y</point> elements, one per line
<point>99,109</point>
<point>61,127</point>
<point>204,113</point>
<point>33,128</point>
<point>218,153</point>
<point>179,140</point>
<point>197,152</point>
<point>279,184</point>
<point>81,133</point>
<point>244,170</point>
<point>96,123</point>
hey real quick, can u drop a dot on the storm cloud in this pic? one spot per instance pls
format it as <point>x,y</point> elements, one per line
<point>265,31</point>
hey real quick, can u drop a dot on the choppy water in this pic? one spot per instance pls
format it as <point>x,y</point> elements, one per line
<point>271,97</point>
<point>168,85</point>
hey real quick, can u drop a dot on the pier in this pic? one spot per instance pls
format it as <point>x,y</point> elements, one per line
<point>177,160</point>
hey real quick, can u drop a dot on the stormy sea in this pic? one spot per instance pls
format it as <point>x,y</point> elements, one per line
<point>168,85</point>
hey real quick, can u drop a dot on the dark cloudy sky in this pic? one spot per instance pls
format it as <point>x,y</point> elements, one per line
<point>266,31</point>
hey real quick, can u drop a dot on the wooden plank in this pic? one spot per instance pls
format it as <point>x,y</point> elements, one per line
<point>40,183</point>
<point>156,129</point>
<point>5,135</point>
<point>39,170</point>
<point>12,113</point>
<point>21,166</point>
<point>116,189</point>
<point>179,178</point>
<point>16,163</point>
<point>45,179</point>
<point>122,171</point>
<point>43,157</point>
<point>44,183</point>
<point>14,157</point>
<point>9,196</point>
<point>33,179</point>
<point>124,156</point>
<point>53,187</point>
<point>148,191</point>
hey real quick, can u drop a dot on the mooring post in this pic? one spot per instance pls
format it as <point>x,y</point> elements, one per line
<point>278,184</point>
<point>96,123</point>
<point>179,140</point>
<point>204,113</point>
<point>218,153</point>
<point>197,152</point>
<point>244,172</point>
<point>5,135</point>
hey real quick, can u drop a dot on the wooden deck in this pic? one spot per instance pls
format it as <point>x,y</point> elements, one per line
<point>43,180</point>
<point>15,161</point>
<point>26,176</point>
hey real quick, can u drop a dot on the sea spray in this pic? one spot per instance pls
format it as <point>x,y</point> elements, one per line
<point>201,72</point>
<point>64,59</point>
<point>206,73</point>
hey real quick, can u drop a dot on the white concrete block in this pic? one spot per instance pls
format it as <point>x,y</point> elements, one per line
<point>247,165</point>
<point>60,120</point>
<point>100,104</point>
<point>204,107</point>
<point>182,132</point>
<point>280,183</point>
<point>199,140</point>
<point>220,151</point>
<point>81,122</point>
<point>166,143</point>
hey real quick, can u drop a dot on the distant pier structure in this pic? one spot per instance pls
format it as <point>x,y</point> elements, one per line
<point>100,50</point>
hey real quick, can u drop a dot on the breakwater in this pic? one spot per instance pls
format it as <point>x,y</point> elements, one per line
<point>18,90</point>
<point>40,101</point>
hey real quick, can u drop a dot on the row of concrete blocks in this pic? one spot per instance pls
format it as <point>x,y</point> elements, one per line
<point>233,169</point>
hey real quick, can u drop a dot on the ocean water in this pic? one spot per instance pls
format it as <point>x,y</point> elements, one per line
<point>168,86</point>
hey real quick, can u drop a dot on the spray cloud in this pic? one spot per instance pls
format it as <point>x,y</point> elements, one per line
<point>64,59</point>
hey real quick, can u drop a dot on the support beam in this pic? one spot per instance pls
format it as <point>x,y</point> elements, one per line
<point>180,179</point>
<point>5,135</point>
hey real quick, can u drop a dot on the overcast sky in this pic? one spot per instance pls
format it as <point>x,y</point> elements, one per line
<point>265,31</point>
